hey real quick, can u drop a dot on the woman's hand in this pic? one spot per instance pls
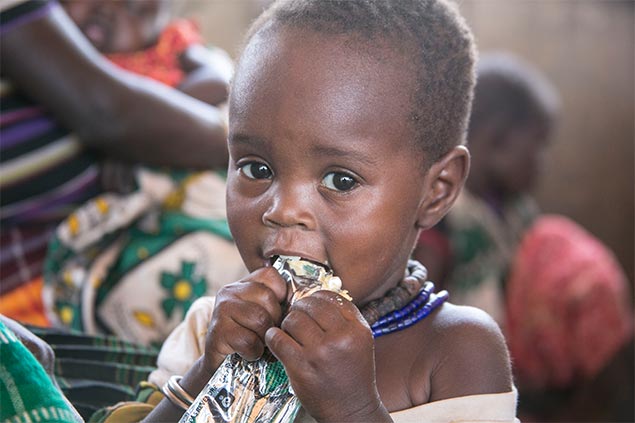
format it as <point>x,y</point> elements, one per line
<point>327,350</point>
<point>208,74</point>
<point>244,311</point>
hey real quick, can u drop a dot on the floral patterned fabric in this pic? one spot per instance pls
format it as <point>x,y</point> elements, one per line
<point>132,265</point>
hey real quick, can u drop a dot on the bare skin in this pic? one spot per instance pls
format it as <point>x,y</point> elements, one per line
<point>125,116</point>
<point>130,26</point>
<point>506,163</point>
<point>322,165</point>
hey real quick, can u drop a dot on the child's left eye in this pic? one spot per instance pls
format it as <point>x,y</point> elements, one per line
<point>255,170</point>
<point>339,181</point>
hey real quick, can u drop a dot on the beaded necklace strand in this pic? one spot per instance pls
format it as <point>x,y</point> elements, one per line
<point>414,312</point>
<point>408,303</point>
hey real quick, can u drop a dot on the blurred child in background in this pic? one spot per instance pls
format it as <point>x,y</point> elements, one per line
<point>558,292</point>
<point>144,37</point>
<point>512,120</point>
<point>569,325</point>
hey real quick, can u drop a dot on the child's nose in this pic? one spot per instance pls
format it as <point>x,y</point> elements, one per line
<point>289,207</point>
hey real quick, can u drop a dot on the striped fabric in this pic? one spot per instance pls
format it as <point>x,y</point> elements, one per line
<point>97,371</point>
<point>26,392</point>
<point>18,12</point>
<point>45,173</point>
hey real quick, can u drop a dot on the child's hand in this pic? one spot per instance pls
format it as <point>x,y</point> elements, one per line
<point>243,313</point>
<point>327,350</point>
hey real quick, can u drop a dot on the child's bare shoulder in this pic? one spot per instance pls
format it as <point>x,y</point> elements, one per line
<point>466,353</point>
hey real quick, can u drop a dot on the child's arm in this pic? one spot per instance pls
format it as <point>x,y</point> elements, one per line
<point>208,73</point>
<point>327,350</point>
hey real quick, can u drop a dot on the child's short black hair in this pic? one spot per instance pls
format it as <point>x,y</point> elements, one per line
<point>431,31</point>
<point>511,93</point>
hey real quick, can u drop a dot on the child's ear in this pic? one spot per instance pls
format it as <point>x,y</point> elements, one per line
<point>444,182</point>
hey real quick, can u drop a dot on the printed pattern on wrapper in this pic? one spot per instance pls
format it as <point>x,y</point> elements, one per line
<point>259,391</point>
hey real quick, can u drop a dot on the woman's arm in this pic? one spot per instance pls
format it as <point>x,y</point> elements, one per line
<point>127,116</point>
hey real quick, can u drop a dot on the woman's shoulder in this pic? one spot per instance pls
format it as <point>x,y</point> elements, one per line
<point>466,353</point>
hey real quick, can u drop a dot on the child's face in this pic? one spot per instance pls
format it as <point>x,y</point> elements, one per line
<point>322,159</point>
<point>119,26</point>
<point>517,158</point>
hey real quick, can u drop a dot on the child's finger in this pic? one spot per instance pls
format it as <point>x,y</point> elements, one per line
<point>255,317</point>
<point>328,308</point>
<point>269,277</point>
<point>283,347</point>
<point>256,289</point>
<point>248,344</point>
<point>302,327</point>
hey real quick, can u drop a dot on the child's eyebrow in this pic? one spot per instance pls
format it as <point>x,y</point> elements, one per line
<point>316,150</point>
<point>244,140</point>
<point>359,156</point>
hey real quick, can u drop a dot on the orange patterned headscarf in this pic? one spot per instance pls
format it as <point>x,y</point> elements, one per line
<point>161,61</point>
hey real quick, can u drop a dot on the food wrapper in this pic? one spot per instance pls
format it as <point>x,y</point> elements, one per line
<point>259,391</point>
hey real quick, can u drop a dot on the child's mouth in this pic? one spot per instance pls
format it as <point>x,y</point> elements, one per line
<point>274,258</point>
<point>306,276</point>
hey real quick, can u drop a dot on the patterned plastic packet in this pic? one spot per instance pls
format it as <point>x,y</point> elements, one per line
<point>259,391</point>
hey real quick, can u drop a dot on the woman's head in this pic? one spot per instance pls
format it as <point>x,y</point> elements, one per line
<point>513,115</point>
<point>119,26</point>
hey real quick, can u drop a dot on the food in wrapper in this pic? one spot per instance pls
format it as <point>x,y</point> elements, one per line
<point>259,391</point>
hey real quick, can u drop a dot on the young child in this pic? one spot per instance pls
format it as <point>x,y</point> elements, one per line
<point>346,134</point>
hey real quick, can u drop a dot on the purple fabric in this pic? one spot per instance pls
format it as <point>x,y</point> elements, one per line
<point>17,115</point>
<point>24,19</point>
<point>28,245</point>
<point>25,131</point>
<point>69,194</point>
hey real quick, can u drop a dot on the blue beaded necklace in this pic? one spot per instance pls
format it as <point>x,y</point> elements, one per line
<point>424,303</point>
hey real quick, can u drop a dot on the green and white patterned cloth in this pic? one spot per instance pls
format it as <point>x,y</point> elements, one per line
<point>27,394</point>
<point>131,265</point>
<point>97,371</point>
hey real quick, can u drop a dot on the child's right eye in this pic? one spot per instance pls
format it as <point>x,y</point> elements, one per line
<point>255,170</point>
